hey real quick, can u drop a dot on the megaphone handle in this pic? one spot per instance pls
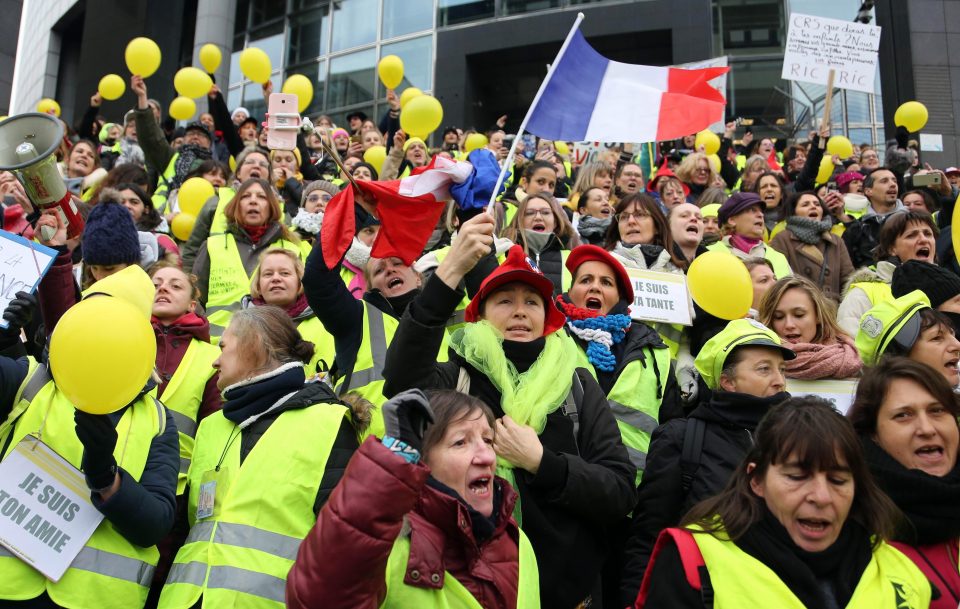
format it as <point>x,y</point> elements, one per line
<point>47,232</point>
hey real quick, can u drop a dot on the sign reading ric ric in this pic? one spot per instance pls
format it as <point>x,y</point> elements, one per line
<point>660,297</point>
<point>816,45</point>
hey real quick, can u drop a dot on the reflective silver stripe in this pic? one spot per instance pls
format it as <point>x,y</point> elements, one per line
<point>200,531</point>
<point>185,424</point>
<point>378,348</point>
<point>633,417</point>
<point>234,306</point>
<point>36,382</point>
<point>191,573</point>
<point>245,536</point>
<point>184,465</point>
<point>248,582</point>
<point>362,378</point>
<point>668,332</point>
<point>161,416</point>
<point>637,457</point>
<point>458,317</point>
<point>113,565</point>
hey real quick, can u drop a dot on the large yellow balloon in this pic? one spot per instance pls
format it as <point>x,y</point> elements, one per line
<point>408,94</point>
<point>720,283</point>
<point>390,69</point>
<point>192,82</point>
<point>475,141</point>
<point>375,155</point>
<point>101,372</point>
<point>422,115</point>
<point>193,194</point>
<point>562,148</point>
<point>255,64</point>
<point>182,108</point>
<point>48,106</point>
<point>825,170</point>
<point>210,57</point>
<point>111,87</point>
<point>912,115</point>
<point>709,140</point>
<point>182,225</point>
<point>299,85</point>
<point>142,56</point>
<point>840,146</point>
<point>714,161</point>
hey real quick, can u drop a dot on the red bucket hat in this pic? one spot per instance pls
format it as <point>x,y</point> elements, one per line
<point>587,253</point>
<point>665,172</point>
<point>518,267</point>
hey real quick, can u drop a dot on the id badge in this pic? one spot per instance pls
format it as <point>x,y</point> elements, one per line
<point>213,483</point>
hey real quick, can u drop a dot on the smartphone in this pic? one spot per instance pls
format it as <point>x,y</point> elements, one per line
<point>283,122</point>
<point>354,139</point>
<point>927,179</point>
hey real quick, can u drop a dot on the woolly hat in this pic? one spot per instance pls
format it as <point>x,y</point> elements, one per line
<point>587,253</point>
<point>737,203</point>
<point>844,179</point>
<point>198,126</point>
<point>519,267</point>
<point>339,132</point>
<point>237,110</point>
<point>939,284</point>
<point>412,141</point>
<point>323,185</point>
<point>110,236</point>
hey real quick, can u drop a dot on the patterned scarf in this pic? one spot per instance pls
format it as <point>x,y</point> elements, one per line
<point>808,230</point>
<point>593,229</point>
<point>600,332</point>
<point>189,156</point>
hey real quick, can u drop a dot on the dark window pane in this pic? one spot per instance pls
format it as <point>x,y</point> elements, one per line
<point>513,7</point>
<point>352,78</point>
<point>265,11</point>
<point>253,100</point>
<point>354,23</point>
<point>308,35</point>
<point>406,16</point>
<point>450,12</point>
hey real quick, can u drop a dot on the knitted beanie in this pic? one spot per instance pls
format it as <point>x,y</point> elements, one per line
<point>939,284</point>
<point>328,187</point>
<point>110,236</point>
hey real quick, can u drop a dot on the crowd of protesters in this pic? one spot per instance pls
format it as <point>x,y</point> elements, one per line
<point>489,426</point>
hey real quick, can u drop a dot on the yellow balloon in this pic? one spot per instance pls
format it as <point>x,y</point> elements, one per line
<point>720,283</point>
<point>255,64</point>
<point>142,56</point>
<point>192,82</point>
<point>825,170</point>
<point>111,87</point>
<point>193,194</point>
<point>182,225</point>
<point>714,161</point>
<point>210,57</point>
<point>475,141</point>
<point>375,155</point>
<point>390,69</point>
<point>48,106</point>
<point>912,115</point>
<point>562,148</point>
<point>840,146</point>
<point>709,140</point>
<point>299,85</point>
<point>182,108</point>
<point>408,94</point>
<point>422,115</point>
<point>101,372</point>
<point>955,232</point>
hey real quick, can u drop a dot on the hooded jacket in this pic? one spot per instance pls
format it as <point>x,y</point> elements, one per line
<point>172,343</point>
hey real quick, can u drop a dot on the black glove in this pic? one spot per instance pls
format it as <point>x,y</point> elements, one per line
<point>19,313</point>
<point>406,417</point>
<point>903,137</point>
<point>99,437</point>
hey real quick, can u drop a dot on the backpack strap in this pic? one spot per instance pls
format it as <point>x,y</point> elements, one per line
<point>690,557</point>
<point>692,447</point>
<point>570,407</point>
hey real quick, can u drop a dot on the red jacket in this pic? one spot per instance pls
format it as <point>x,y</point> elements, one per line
<point>939,563</point>
<point>172,343</point>
<point>341,564</point>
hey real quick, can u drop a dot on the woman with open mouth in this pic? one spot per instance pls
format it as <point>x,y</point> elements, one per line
<point>770,188</point>
<point>813,251</point>
<point>801,524</point>
<point>542,229</point>
<point>905,236</point>
<point>595,214</point>
<point>742,222</point>
<point>906,416</point>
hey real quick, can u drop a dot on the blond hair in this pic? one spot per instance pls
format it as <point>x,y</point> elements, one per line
<point>275,251</point>
<point>828,330</point>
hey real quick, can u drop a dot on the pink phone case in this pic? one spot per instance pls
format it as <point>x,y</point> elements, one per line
<point>283,122</point>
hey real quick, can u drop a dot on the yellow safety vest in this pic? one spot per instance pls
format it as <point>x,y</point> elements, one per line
<point>263,508</point>
<point>229,281</point>
<point>781,267</point>
<point>876,291</point>
<point>890,581</point>
<point>453,595</point>
<point>110,572</point>
<point>312,330</point>
<point>219,223</point>
<point>184,394</point>
<point>21,401</point>
<point>162,191</point>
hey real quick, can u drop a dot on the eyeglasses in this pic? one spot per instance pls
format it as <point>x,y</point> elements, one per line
<point>543,213</point>
<point>257,164</point>
<point>703,170</point>
<point>325,197</point>
<point>626,217</point>
<point>632,174</point>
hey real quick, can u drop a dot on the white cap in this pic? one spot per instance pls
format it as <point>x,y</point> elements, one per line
<point>233,114</point>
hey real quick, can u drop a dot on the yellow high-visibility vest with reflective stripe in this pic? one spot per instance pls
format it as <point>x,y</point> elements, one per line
<point>21,401</point>
<point>323,348</point>
<point>162,190</point>
<point>184,394</point>
<point>219,223</point>
<point>240,556</point>
<point>110,572</point>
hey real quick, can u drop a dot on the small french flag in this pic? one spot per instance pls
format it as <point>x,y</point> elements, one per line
<point>590,98</point>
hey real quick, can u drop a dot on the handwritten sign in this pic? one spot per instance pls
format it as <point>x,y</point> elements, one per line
<point>815,45</point>
<point>660,297</point>
<point>46,516</point>
<point>840,392</point>
<point>589,152</point>
<point>22,265</point>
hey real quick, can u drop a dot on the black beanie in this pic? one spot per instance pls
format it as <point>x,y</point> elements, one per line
<point>939,284</point>
<point>110,236</point>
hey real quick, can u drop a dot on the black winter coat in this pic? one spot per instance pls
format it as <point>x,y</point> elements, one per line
<point>731,419</point>
<point>585,484</point>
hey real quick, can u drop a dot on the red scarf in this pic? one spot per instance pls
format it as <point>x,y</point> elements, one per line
<point>743,243</point>
<point>839,360</point>
<point>255,232</point>
<point>296,308</point>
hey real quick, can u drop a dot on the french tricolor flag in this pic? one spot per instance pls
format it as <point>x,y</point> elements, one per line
<point>588,97</point>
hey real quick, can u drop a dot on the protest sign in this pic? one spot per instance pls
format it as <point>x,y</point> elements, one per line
<point>838,392</point>
<point>660,297</point>
<point>22,265</point>
<point>817,45</point>
<point>46,516</point>
<point>588,152</point>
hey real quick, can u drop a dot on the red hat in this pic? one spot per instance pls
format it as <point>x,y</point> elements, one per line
<point>665,172</point>
<point>15,222</point>
<point>586,253</point>
<point>518,267</point>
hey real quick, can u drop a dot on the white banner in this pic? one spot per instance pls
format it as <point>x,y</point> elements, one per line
<point>22,265</point>
<point>660,297</point>
<point>815,45</point>
<point>839,392</point>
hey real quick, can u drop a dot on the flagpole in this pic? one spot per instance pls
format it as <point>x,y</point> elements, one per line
<point>536,99</point>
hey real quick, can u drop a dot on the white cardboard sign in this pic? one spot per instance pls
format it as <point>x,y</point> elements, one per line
<point>840,392</point>
<point>659,297</point>
<point>815,45</point>
<point>22,265</point>
<point>46,516</point>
